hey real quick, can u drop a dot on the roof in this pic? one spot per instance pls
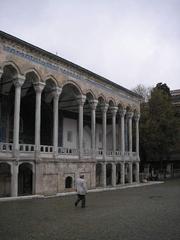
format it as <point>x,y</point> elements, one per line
<point>175,92</point>
<point>69,63</point>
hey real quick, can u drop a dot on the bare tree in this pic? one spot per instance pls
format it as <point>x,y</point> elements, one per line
<point>143,91</point>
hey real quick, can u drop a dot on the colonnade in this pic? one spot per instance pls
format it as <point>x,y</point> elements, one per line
<point>56,91</point>
<point>132,168</point>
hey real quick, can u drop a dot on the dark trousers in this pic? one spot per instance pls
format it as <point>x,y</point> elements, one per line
<point>81,198</point>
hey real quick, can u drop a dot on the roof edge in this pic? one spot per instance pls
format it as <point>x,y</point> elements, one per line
<point>49,54</point>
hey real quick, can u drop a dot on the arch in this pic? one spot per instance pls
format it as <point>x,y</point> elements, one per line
<point>49,87</point>
<point>90,95</point>
<point>51,78</point>
<point>13,65</point>
<point>5,179</point>
<point>126,169</point>
<point>111,102</point>
<point>129,108</point>
<point>36,77</point>
<point>68,182</point>
<point>101,99</point>
<point>98,174</point>
<point>121,106</point>
<point>118,173</point>
<point>109,174</point>
<point>73,85</point>
<point>25,179</point>
<point>134,169</point>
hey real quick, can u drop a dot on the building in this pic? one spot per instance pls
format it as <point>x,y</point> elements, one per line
<point>59,120</point>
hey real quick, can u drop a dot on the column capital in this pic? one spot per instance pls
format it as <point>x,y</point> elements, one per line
<point>122,112</point>
<point>93,104</point>
<point>113,110</point>
<point>130,115</point>
<point>39,86</point>
<point>104,107</point>
<point>137,116</point>
<point>81,99</point>
<point>19,80</point>
<point>56,91</point>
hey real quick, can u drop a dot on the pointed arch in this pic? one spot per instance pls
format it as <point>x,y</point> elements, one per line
<point>52,78</point>
<point>36,77</point>
<point>76,87</point>
<point>101,99</point>
<point>111,102</point>
<point>90,94</point>
<point>12,65</point>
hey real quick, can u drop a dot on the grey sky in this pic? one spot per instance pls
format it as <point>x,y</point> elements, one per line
<point>130,42</point>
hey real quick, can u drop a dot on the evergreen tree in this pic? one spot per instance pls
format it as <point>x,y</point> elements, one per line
<point>158,126</point>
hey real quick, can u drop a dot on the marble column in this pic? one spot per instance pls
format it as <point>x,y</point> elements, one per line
<point>14,179</point>
<point>56,93</point>
<point>130,115</point>
<point>81,100</point>
<point>104,174</point>
<point>122,173</point>
<point>113,174</point>
<point>93,104</point>
<point>130,172</point>
<point>104,109</point>
<point>137,172</point>
<point>114,111</point>
<point>18,82</point>
<point>122,114</point>
<point>38,88</point>
<point>137,116</point>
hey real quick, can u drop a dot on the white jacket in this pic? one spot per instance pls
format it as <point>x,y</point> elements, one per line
<point>81,187</point>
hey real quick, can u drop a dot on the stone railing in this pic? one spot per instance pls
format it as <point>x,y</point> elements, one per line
<point>109,153</point>
<point>118,153</point>
<point>126,153</point>
<point>26,147</point>
<point>67,151</point>
<point>99,152</point>
<point>6,147</point>
<point>30,148</point>
<point>46,149</point>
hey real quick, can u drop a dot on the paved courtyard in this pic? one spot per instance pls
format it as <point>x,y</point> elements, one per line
<point>150,212</point>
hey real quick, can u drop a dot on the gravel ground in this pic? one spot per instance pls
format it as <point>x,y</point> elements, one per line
<point>150,212</point>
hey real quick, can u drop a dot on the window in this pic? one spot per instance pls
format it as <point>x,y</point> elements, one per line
<point>68,182</point>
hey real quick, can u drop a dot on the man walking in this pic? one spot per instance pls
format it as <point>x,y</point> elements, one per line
<point>81,189</point>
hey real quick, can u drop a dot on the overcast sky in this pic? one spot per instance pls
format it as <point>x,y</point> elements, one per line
<point>130,42</point>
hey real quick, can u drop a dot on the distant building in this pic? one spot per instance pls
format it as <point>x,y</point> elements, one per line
<point>59,120</point>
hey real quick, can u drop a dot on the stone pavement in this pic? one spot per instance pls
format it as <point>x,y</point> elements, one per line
<point>147,212</point>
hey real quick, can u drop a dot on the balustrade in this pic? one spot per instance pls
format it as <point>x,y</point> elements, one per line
<point>67,151</point>
<point>46,149</point>
<point>26,148</point>
<point>6,147</point>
